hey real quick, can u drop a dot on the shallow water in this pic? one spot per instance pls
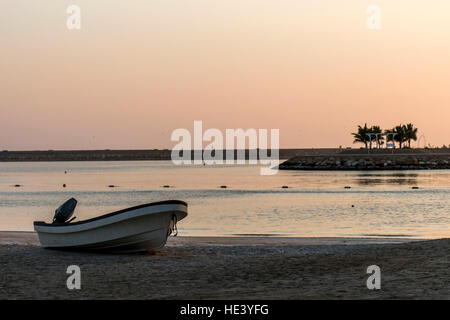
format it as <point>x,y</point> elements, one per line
<point>378,204</point>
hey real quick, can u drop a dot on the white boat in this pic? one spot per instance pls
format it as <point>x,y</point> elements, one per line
<point>134,229</point>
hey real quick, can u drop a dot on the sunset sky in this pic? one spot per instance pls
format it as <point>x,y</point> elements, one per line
<point>137,70</point>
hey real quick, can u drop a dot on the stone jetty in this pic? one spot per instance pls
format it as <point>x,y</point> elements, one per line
<point>375,160</point>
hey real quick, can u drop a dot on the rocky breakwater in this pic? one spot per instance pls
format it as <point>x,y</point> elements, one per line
<point>408,161</point>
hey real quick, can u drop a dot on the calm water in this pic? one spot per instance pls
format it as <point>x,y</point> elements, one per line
<point>315,204</point>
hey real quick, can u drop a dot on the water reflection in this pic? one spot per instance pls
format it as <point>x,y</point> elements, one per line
<point>368,179</point>
<point>390,174</point>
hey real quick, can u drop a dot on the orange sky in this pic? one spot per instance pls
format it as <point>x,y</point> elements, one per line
<point>137,70</point>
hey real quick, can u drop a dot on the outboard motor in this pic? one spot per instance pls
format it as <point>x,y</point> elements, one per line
<point>65,211</point>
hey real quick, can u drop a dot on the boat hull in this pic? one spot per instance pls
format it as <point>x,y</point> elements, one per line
<point>135,229</point>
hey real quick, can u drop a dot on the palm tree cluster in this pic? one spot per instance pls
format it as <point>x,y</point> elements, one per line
<point>400,134</point>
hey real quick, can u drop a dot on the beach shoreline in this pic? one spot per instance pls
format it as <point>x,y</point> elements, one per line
<point>30,238</point>
<point>231,268</point>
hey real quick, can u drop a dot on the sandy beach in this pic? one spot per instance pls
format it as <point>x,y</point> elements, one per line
<point>231,268</point>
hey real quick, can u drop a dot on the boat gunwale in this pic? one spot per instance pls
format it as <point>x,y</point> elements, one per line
<point>42,223</point>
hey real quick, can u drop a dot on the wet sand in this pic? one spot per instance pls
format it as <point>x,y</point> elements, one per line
<point>231,268</point>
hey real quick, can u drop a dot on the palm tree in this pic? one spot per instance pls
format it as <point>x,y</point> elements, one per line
<point>377,129</point>
<point>361,135</point>
<point>389,136</point>
<point>410,133</point>
<point>400,136</point>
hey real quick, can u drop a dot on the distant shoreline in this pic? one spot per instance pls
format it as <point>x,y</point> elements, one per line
<point>127,155</point>
<point>332,159</point>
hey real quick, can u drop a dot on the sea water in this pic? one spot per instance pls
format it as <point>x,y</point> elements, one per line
<point>316,203</point>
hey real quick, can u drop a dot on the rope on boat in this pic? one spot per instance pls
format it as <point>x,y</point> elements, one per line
<point>174,228</point>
